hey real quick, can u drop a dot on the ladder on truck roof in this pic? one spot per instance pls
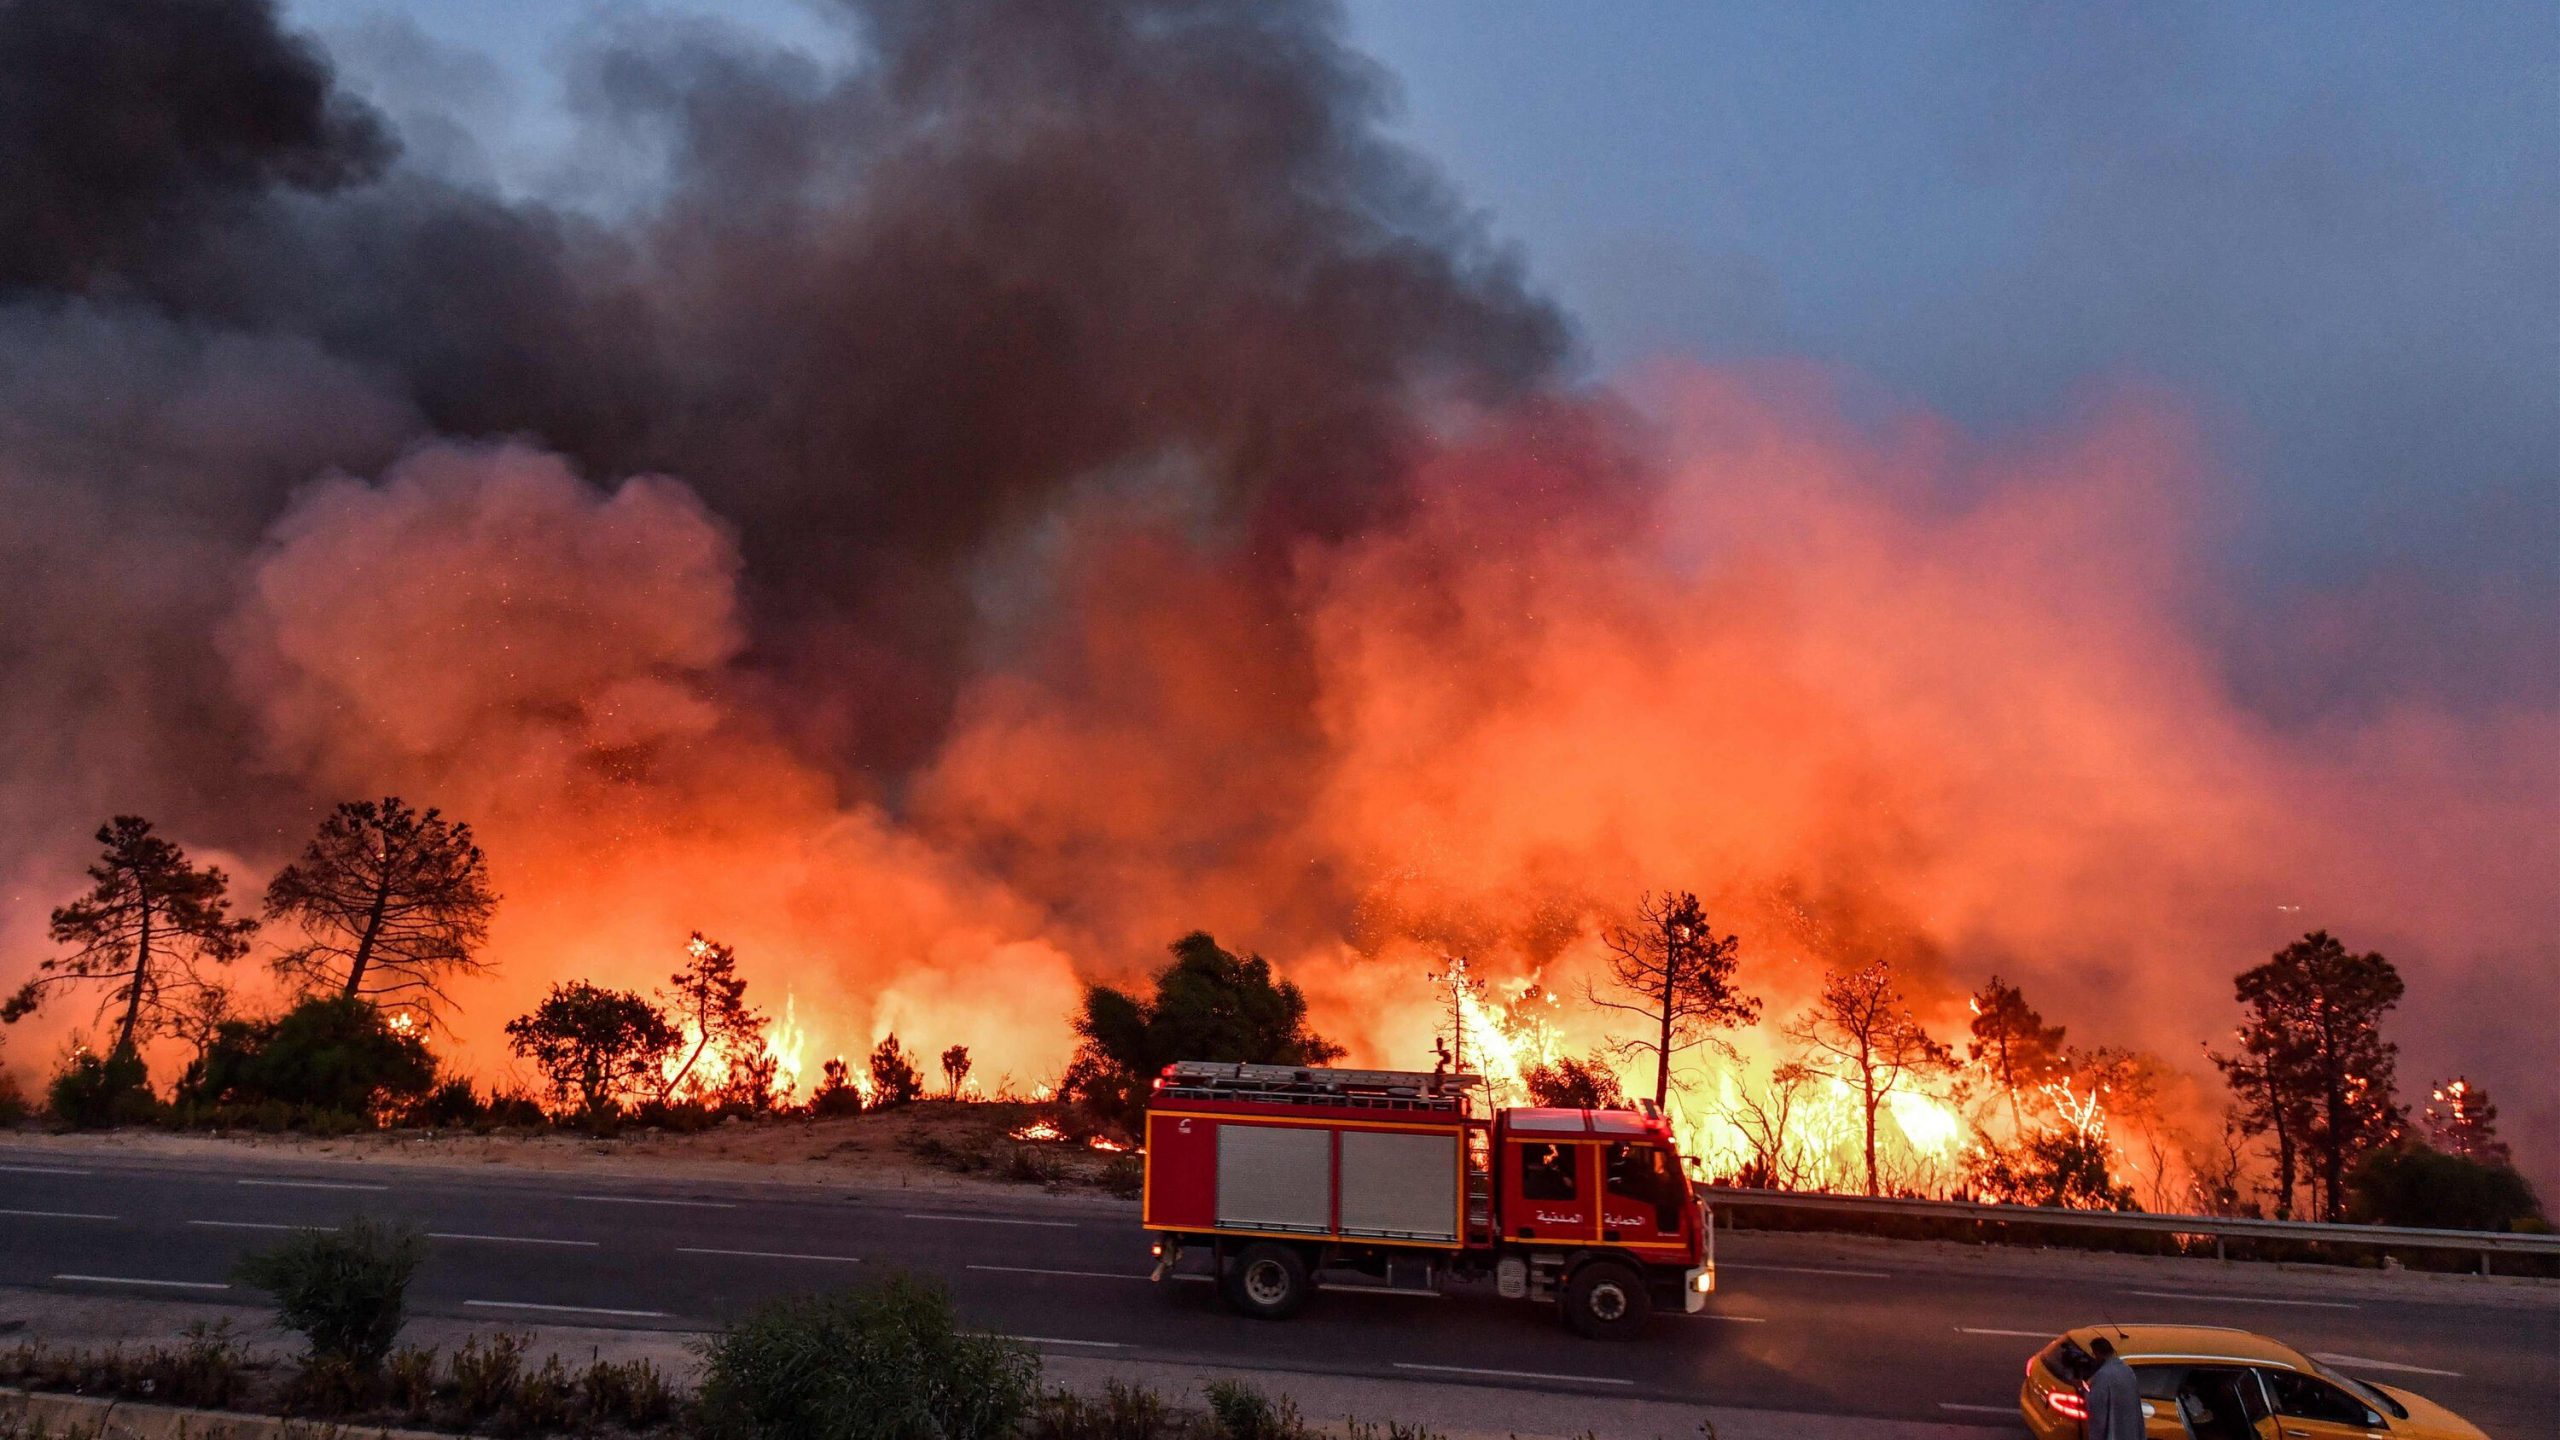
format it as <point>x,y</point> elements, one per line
<point>1426,1090</point>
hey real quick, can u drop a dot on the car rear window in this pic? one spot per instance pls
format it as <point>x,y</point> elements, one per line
<point>2067,1360</point>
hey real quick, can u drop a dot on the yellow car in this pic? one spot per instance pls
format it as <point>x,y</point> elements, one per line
<point>2203,1383</point>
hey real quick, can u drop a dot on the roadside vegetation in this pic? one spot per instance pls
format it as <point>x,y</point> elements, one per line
<point>888,1360</point>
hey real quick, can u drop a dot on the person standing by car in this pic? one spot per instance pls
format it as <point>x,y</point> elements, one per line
<point>2115,1400</point>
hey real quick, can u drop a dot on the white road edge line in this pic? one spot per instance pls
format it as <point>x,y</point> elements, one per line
<point>309,1185</point>
<point>1058,1340</point>
<point>993,1220</point>
<point>2012,1334</point>
<point>1728,1319</point>
<point>1809,1270</point>
<point>135,1280</point>
<point>259,1225</point>
<point>645,1200</point>
<point>1978,1409</point>
<point>566,1309</point>
<point>513,1239</point>
<point>2244,1299</point>
<point>39,1170</point>
<point>1513,1374</point>
<point>56,1215</point>
<point>1036,1270</point>
<point>2358,1362</point>
<point>767,1254</point>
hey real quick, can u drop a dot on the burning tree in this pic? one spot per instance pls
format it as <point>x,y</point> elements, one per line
<point>2012,1045</point>
<point>708,1003</point>
<point>1862,1034</point>
<point>955,1070</point>
<point>390,900</point>
<point>2460,1120</point>
<point>599,1046</point>
<point>145,931</point>
<point>1679,975</point>
<point>2314,1067</point>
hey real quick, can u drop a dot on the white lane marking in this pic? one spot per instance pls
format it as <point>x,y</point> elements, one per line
<point>56,1215</point>
<point>767,1254</point>
<point>995,1220</point>
<point>566,1309</point>
<point>259,1225</point>
<point>1809,1270</point>
<point>1513,1374</point>
<point>2358,1362</point>
<point>1728,1319</point>
<point>513,1239</point>
<point>1057,1340</point>
<point>309,1185</point>
<point>2244,1299</point>
<point>2012,1334</point>
<point>643,1200</point>
<point>134,1280</point>
<point>1978,1409</point>
<point>38,1170</point>
<point>1079,1274</point>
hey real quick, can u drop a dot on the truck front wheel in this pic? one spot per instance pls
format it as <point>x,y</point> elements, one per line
<point>1605,1301</point>
<point>1267,1281</point>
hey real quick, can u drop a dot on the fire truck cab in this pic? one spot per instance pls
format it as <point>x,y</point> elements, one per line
<point>1272,1176</point>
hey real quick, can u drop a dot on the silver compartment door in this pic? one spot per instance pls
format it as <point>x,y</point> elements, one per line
<point>1275,1177</point>
<point>1399,1187</point>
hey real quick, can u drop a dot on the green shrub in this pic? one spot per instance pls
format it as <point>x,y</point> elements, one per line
<point>484,1376</point>
<point>634,1393</point>
<point>1245,1413</point>
<point>98,1092</point>
<point>410,1379</point>
<point>1123,1412</point>
<point>13,1101</point>
<point>344,1291</point>
<point>883,1362</point>
<point>452,1104</point>
<point>334,1054</point>
<point>2410,1184</point>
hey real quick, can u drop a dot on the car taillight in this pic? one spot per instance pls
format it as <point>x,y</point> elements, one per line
<point>2068,1404</point>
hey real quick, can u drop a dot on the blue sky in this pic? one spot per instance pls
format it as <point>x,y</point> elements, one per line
<point>2333,230</point>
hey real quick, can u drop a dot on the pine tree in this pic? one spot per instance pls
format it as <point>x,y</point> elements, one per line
<point>2011,1043</point>
<point>2314,1067</point>
<point>145,931</point>
<point>391,901</point>
<point>708,1004</point>
<point>1861,1032</point>
<point>1679,976</point>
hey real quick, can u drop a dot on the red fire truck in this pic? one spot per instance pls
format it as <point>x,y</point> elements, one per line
<point>1278,1174</point>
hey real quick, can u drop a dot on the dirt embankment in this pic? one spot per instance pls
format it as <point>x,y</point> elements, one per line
<point>934,1144</point>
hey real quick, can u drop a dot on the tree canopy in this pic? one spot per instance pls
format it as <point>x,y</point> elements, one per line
<point>1209,1004</point>
<point>150,924</point>
<point>390,901</point>
<point>594,1046</point>
<point>1671,969</point>
<point>2314,1069</point>
<point>1861,1032</point>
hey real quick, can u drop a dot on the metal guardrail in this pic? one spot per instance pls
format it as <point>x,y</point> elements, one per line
<point>2484,1243</point>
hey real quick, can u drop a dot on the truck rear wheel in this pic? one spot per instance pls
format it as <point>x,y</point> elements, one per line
<point>1605,1301</point>
<point>1267,1281</point>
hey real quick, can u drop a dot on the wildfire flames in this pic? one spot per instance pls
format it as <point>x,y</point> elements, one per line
<point>951,555</point>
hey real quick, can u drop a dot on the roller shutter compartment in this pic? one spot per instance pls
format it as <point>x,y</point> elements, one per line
<point>1399,1187</point>
<point>1275,1177</point>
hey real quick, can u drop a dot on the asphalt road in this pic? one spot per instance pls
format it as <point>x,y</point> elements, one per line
<point>1917,1339</point>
